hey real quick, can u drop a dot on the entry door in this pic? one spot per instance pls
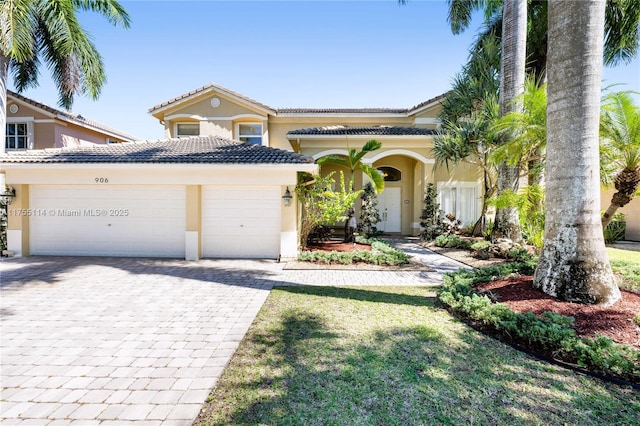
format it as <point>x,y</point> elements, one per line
<point>389,207</point>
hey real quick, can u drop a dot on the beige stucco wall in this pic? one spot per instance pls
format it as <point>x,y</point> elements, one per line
<point>192,176</point>
<point>631,212</point>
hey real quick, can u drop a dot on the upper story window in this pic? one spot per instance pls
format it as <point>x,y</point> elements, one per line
<point>187,130</point>
<point>17,136</point>
<point>250,132</point>
<point>390,174</point>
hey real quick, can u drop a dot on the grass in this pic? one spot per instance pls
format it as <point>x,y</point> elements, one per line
<point>626,264</point>
<point>394,356</point>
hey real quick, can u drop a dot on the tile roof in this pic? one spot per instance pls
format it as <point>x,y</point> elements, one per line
<point>277,111</point>
<point>206,88</point>
<point>341,110</point>
<point>74,118</point>
<point>374,131</point>
<point>204,150</point>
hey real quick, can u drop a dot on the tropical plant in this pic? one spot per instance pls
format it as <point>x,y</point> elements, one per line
<point>353,162</point>
<point>369,214</point>
<point>573,263</point>
<point>321,205</point>
<point>469,139</point>
<point>32,31</point>
<point>619,149</point>
<point>431,218</point>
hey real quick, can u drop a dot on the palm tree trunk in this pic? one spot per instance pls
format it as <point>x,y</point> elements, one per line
<point>514,47</point>
<point>573,265</point>
<point>4,71</point>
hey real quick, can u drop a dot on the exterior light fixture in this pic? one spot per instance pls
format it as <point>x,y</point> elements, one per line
<point>7,196</point>
<point>287,197</point>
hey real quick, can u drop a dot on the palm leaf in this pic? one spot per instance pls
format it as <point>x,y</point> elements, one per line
<point>374,175</point>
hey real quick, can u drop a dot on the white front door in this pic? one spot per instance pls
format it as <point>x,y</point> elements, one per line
<point>109,220</point>
<point>389,207</point>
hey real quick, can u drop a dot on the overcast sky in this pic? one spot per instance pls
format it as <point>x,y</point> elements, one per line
<point>280,53</point>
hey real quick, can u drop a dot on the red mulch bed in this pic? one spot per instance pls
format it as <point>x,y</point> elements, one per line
<point>613,321</point>
<point>337,245</point>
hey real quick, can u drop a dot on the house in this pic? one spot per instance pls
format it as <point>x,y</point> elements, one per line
<point>32,125</point>
<point>405,159</point>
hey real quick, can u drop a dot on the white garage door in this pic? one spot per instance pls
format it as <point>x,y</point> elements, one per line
<point>113,220</point>
<point>241,221</point>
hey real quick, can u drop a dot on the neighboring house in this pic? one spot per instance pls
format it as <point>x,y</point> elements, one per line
<point>180,198</point>
<point>32,125</point>
<point>405,158</point>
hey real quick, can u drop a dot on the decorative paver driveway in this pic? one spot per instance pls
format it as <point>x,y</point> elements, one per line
<point>116,341</point>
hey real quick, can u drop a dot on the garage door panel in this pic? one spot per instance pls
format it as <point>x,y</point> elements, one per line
<point>241,222</point>
<point>119,220</point>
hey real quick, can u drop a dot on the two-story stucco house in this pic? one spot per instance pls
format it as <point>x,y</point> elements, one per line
<point>32,125</point>
<point>405,158</point>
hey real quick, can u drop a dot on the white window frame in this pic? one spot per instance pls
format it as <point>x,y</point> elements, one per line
<point>458,185</point>
<point>260,123</point>
<point>175,132</point>
<point>21,120</point>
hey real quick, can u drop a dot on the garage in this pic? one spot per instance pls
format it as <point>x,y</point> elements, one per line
<point>241,221</point>
<point>185,198</point>
<point>121,220</point>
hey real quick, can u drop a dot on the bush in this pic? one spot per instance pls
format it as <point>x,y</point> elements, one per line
<point>551,333</point>
<point>616,229</point>
<point>381,253</point>
<point>452,241</point>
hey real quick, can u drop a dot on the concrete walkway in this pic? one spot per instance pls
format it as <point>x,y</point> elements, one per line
<point>121,341</point>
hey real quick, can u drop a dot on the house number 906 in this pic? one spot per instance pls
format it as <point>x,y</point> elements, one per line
<point>102,180</point>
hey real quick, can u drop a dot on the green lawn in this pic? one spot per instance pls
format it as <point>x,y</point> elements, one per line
<point>626,263</point>
<point>394,356</point>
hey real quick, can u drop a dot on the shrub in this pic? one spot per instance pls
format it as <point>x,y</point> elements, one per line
<point>452,241</point>
<point>431,220</point>
<point>616,229</point>
<point>381,253</point>
<point>550,332</point>
<point>369,214</point>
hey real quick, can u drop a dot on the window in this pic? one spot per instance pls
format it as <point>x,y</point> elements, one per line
<point>250,132</point>
<point>17,136</point>
<point>390,174</point>
<point>187,129</point>
<point>460,200</point>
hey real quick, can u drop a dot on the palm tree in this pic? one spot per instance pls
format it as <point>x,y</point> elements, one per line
<point>573,264</point>
<point>622,30</point>
<point>512,76</point>
<point>353,162</point>
<point>620,149</point>
<point>36,30</point>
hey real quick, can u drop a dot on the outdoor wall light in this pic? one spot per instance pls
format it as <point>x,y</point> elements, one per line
<point>287,197</point>
<point>7,196</point>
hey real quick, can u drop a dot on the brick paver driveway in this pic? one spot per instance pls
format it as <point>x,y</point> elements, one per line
<point>116,341</point>
<point>108,341</point>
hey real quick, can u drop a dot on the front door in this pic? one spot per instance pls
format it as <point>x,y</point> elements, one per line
<point>389,207</point>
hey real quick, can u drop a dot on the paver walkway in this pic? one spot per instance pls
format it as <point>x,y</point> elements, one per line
<point>120,341</point>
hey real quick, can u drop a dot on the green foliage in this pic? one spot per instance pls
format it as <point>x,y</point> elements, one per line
<point>452,241</point>
<point>615,230</point>
<point>381,253</point>
<point>548,333</point>
<point>480,245</point>
<point>431,217</point>
<point>369,214</point>
<point>636,319</point>
<point>320,204</point>
<point>354,162</point>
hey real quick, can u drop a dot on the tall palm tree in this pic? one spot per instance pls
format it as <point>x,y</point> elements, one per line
<point>573,264</point>
<point>32,31</point>
<point>353,162</point>
<point>620,149</point>
<point>512,76</point>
